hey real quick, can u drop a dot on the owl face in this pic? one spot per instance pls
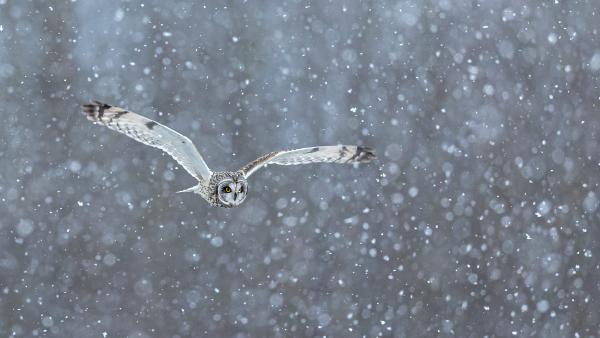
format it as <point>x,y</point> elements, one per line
<point>232,192</point>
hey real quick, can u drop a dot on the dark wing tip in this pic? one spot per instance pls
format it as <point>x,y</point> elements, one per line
<point>364,154</point>
<point>95,110</point>
<point>91,111</point>
<point>95,103</point>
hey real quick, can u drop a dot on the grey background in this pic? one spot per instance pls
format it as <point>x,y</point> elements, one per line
<point>479,219</point>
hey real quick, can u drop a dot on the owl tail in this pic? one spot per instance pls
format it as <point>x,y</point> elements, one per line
<point>192,189</point>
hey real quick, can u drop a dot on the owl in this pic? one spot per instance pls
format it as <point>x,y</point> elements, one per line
<point>220,188</point>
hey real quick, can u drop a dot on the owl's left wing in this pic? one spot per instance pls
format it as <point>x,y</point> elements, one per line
<point>321,154</point>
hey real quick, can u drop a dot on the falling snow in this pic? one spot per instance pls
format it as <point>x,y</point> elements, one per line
<point>479,219</point>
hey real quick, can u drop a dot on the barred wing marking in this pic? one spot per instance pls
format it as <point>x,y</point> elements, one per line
<point>151,133</point>
<point>321,154</point>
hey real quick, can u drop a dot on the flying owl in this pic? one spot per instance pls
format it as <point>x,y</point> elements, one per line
<point>220,188</point>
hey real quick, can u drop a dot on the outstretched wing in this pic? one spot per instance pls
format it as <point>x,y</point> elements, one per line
<point>152,133</point>
<point>323,154</point>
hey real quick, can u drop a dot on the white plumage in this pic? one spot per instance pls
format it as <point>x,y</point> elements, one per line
<point>226,188</point>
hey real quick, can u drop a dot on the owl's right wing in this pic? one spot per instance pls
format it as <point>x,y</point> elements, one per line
<point>321,154</point>
<point>151,133</point>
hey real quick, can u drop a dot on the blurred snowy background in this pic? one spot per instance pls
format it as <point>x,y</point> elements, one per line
<point>479,219</point>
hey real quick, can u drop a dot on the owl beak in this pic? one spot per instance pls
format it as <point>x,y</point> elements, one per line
<point>236,193</point>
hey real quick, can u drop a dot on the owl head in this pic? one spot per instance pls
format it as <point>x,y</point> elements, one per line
<point>231,190</point>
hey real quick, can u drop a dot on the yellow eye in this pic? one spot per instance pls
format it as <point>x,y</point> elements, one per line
<point>227,189</point>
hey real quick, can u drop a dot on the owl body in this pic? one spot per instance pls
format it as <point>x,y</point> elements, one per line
<point>222,188</point>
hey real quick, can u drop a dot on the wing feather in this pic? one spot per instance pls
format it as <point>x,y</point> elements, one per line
<point>321,154</point>
<point>151,133</point>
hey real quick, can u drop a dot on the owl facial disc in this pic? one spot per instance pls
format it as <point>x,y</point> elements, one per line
<point>232,191</point>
